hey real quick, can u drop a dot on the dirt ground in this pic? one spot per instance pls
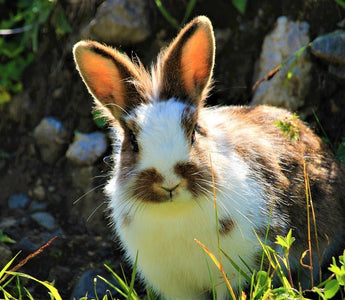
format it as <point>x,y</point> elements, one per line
<point>52,87</point>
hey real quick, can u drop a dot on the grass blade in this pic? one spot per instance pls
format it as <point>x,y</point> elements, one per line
<point>166,14</point>
<point>50,287</point>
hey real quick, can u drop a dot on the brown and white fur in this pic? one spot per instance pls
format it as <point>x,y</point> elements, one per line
<point>161,190</point>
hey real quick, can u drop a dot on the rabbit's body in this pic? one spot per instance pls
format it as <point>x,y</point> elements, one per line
<point>177,158</point>
<point>163,234</point>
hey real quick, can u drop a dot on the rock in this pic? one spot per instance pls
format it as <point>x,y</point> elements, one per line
<point>27,245</point>
<point>50,136</point>
<point>330,47</point>
<point>119,22</point>
<point>87,148</point>
<point>8,222</point>
<point>85,285</point>
<point>5,255</point>
<point>278,46</point>
<point>38,206</point>
<point>18,201</point>
<point>39,192</point>
<point>45,220</point>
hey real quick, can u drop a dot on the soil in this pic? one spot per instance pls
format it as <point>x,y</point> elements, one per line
<point>52,87</point>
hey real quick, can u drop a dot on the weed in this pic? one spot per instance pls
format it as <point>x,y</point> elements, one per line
<point>8,275</point>
<point>289,127</point>
<point>239,4</point>
<point>5,239</point>
<point>19,39</point>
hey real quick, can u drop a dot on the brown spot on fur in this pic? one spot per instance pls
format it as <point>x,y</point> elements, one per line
<point>277,163</point>
<point>128,158</point>
<point>225,226</point>
<point>196,177</point>
<point>188,121</point>
<point>145,186</point>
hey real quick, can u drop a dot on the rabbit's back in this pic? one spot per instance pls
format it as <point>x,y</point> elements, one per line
<point>293,166</point>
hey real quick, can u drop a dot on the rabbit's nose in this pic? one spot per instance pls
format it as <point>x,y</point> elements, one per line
<point>170,189</point>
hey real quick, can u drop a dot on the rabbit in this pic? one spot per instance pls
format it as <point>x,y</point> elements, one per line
<point>177,158</point>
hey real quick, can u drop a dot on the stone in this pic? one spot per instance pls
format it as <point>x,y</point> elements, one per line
<point>330,47</point>
<point>18,201</point>
<point>120,22</point>
<point>85,285</point>
<point>45,220</point>
<point>39,192</point>
<point>50,136</point>
<point>38,206</point>
<point>278,47</point>
<point>87,148</point>
<point>27,245</point>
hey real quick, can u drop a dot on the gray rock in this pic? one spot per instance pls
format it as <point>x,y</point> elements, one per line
<point>39,192</point>
<point>85,285</point>
<point>8,222</point>
<point>45,220</point>
<point>50,136</point>
<point>27,245</point>
<point>120,22</point>
<point>38,206</point>
<point>330,47</point>
<point>87,148</point>
<point>18,201</point>
<point>286,38</point>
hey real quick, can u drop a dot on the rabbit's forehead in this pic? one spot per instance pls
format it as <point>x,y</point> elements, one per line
<point>166,118</point>
<point>161,136</point>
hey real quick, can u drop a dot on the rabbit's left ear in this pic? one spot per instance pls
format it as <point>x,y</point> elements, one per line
<point>187,63</point>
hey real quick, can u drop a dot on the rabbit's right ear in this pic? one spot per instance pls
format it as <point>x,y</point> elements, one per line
<point>187,63</point>
<point>109,75</point>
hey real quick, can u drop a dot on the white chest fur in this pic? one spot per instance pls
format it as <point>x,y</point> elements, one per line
<point>170,259</point>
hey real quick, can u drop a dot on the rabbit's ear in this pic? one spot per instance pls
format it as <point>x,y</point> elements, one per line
<point>187,63</point>
<point>108,75</point>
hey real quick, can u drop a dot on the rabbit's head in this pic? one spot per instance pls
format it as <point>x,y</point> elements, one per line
<point>163,135</point>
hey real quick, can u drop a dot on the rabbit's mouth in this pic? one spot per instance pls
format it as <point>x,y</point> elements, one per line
<point>151,186</point>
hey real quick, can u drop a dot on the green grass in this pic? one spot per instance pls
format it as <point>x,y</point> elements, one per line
<point>19,38</point>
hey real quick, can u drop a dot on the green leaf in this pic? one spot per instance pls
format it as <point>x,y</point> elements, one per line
<point>341,3</point>
<point>166,14</point>
<point>189,10</point>
<point>3,237</point>
<point>61,24</point>
<point>240,5</point>
<point>331,288</point>
<point>5,97</point>
<point>99,119</point>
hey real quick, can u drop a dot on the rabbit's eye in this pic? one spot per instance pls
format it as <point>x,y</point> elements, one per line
<point>133,140</point>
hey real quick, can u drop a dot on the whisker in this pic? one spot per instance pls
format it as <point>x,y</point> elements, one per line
<point>94,211</point>
<point>88,192</point>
